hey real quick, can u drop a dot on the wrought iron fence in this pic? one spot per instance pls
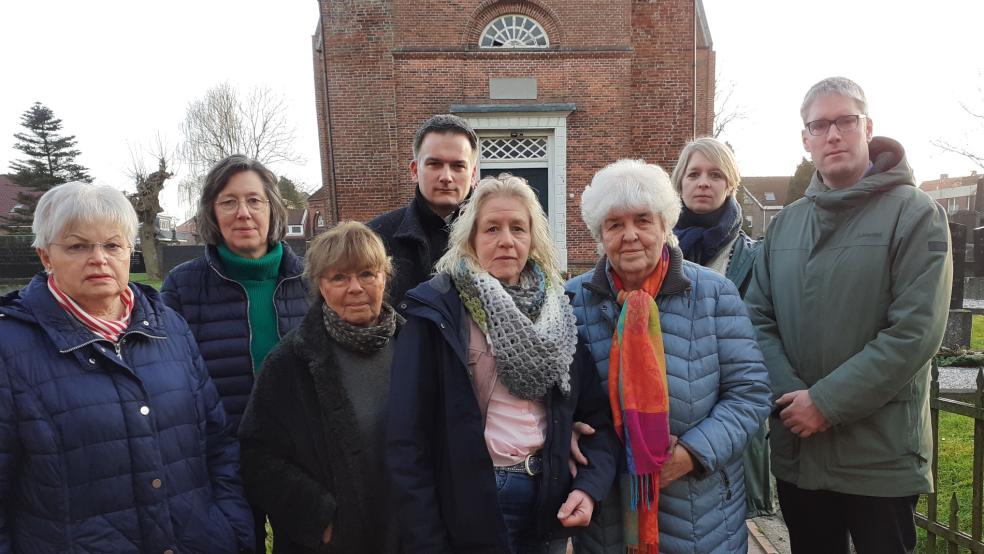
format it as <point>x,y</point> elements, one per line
<point>956,539</point>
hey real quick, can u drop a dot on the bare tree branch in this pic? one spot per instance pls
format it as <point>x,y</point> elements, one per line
<point>726,111</point>
<point>222,123</point>
<point>972,145</point>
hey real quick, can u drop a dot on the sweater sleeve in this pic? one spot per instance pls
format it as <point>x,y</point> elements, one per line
<point>761,311</point>
<point>743,389</point>
<point>302,507</point>
<point>922,272</point>
<point>409,441</point>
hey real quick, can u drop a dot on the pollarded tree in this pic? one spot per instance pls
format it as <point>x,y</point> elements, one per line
<point>50,160</point>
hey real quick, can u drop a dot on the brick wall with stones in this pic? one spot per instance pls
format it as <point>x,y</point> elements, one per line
<point>640,84</point>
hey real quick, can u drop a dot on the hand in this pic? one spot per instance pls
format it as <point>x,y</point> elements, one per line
<point>800,415</point>
<point>677,465</point>
<point>326,536</point>
<point>577,457</point>
<point>577,509</point>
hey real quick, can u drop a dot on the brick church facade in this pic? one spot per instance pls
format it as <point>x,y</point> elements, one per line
<point>556,89</point>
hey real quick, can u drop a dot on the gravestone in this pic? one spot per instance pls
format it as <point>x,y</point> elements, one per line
<point>960,320</point>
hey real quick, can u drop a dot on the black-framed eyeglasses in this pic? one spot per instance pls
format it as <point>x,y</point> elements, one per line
<point>844,124</point>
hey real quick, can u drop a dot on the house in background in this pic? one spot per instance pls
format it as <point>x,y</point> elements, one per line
<point>761,200</point>
<point>296,223</point>
<point>955,193</point>
<point>8,198</point>
<point>555,89</point>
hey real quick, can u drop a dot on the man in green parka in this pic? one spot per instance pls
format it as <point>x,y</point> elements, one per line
<point>850,298</point>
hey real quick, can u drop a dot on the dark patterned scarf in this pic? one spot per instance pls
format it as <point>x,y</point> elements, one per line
<point>702,236</point>
<point>362,339</point>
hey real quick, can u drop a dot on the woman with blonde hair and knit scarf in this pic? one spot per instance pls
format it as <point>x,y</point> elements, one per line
<point>678,360</point>
<point>487,381</point>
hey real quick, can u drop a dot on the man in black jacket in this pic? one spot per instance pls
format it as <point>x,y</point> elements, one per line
<point>445,157</point>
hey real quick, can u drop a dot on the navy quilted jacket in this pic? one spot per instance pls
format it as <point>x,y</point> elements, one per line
<point>105,450</point>
<point>719,397</point>
<point>215,307</point>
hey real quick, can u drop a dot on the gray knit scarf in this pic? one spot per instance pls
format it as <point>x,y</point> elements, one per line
<point>534,345</point>
<point>362,339</point>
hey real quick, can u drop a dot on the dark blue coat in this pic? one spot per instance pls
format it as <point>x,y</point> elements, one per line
<point>217,311</point>
<point>105,450</point>
<point>441,470</point>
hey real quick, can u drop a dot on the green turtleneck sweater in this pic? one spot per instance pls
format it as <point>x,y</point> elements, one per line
<point>259,278</point>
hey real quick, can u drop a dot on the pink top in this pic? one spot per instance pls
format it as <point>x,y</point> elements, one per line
<point>514,428</point>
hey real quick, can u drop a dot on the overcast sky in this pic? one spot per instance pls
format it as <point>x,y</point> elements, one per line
<point>117,72</point>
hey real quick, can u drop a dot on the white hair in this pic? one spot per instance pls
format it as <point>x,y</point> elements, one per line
<point>78,203</point>
<point>630,185</point>
<point>834,85</point>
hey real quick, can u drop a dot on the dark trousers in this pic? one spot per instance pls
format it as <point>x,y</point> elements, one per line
<point>819,521</point>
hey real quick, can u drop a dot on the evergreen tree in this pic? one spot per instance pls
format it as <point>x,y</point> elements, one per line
<point>50,160</point>
<point>800,181</point>
<point>293,196</point>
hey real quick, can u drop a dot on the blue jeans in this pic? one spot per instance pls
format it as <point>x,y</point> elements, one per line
<point>517,500</point>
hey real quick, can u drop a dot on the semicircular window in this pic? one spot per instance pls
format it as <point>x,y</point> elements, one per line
<point>514,31</point>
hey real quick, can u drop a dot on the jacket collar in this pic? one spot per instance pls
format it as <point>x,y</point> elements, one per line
<point>889,169</point>
<point>35,303</point>
<point>437,300</point>
<point>674,283</point>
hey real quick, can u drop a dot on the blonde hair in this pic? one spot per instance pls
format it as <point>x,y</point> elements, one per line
<point>350,245</point>
<point>717,152</point>
<point>461,246</point>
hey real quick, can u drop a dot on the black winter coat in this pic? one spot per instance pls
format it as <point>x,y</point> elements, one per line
<point>215,307</point>
<point>442,474</point>
<point>415,238</point>
<point>302,454</point>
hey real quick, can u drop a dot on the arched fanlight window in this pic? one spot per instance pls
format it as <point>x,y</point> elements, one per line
<point>514,31</point>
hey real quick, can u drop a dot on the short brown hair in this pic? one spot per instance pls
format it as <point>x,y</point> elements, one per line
<point>349,245</point>
<point>207,225</point>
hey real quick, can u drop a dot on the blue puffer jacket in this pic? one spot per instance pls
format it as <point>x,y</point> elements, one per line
<point>215,307</point>
<point>719,396</point>
<point>105,450</point>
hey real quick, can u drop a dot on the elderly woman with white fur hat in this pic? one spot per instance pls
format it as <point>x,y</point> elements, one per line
<point>678,359</point>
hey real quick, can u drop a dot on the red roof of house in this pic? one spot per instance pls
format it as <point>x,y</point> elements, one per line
<point>187,226</point>
<point>320,194</point>
<point>8,194</point>
<point>769,191</point>
<point>947,182</point>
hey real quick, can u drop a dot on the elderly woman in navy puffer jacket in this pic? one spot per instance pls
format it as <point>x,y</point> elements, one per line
<point>715,381</point>
<point>112,436</point>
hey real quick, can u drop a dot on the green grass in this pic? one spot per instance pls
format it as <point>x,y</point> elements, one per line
<point>142,278</point>
<point>956,460</point>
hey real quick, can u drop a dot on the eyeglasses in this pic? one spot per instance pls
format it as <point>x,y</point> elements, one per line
<point>229,206</point>
<point>366,278</point>
<point>84,250</point>
<point>844,124</point>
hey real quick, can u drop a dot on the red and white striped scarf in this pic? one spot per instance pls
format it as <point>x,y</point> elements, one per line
<point>105,328</point>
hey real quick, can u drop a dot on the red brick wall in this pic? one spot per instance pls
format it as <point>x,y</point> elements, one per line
<point>628,65</point>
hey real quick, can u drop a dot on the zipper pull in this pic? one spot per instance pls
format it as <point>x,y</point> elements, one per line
<point>119,353</point>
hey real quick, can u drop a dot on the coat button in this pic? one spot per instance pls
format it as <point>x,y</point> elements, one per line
<point>145,324</point>
<point>92,360</point>
<point>156,483</point>
<point>144,410</point>
<point>442,326</point>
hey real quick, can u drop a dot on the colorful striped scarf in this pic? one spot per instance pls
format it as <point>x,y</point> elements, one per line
<point>105,328</point>
<point>640,402</point>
